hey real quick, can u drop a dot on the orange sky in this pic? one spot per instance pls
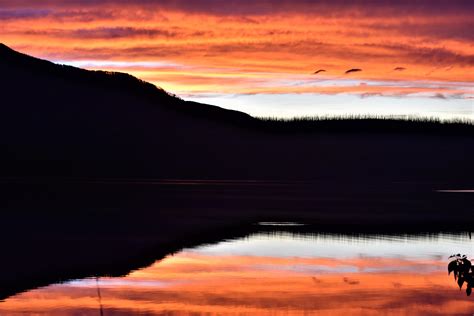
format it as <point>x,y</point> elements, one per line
<point>269,47</point>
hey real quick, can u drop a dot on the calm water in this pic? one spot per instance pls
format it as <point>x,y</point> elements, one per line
<point>274,273</point>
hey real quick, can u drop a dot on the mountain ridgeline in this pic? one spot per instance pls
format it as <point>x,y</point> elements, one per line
<point>62,121</point>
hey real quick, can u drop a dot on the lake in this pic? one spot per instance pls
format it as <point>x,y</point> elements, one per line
<point>275,270</point>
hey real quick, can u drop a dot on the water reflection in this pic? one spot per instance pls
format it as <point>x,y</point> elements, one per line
<point>99,295</point>
<point>274,273</point>
<point>283,224</point>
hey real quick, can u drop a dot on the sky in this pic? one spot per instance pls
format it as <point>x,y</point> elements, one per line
<point>414,57</point>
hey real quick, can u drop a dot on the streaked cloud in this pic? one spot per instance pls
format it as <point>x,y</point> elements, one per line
<point>231,284</point>
<point>16,14</point>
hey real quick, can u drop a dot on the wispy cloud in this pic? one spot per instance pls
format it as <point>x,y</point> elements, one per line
<point>106,33</point>
<point>16,14</point>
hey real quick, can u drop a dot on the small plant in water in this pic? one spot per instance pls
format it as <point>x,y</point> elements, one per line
<point>462,270</point>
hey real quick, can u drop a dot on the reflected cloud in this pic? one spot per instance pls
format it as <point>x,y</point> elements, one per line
<point>233,285</point>
<point>217,279</point>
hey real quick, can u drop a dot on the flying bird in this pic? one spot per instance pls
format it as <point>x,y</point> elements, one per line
<point>353,70</point>
<point>318,71</point>
<point>399,69</point>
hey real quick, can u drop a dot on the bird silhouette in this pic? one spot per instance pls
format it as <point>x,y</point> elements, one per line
<point>318,71</point>
<point>399,68</point>
<point>353,70</point>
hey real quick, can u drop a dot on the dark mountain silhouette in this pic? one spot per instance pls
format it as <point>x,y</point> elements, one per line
<point>63,121</point>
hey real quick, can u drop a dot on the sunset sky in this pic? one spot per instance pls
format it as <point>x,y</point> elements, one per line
<point>416,57</point>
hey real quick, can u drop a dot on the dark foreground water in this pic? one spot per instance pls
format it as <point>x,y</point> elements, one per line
<point>274,272</point>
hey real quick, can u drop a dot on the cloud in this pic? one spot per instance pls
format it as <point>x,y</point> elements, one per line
<point>352,70</point>
<point>318,71</point>
<point>350,281</point>
<point>15,14</point>
<point>240,19</point>
<point>437,56</point>
<point>119,32</point>
<point>257,46</point>
<point>252,7</point>
<point>105,33</point>
<point>427,55</point>
<point>441,27</point>
<point>370,94</point>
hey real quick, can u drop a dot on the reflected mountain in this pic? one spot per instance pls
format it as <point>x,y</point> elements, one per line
<point>272,272</point>
<point>53,231</point>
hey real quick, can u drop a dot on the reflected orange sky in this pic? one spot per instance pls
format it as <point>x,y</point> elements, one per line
<point>197,283</point>
<point>407,48</point>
